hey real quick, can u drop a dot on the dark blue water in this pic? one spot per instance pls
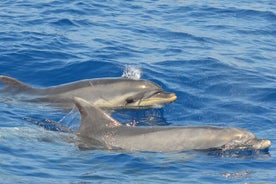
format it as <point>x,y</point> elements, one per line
<point>218,57</point>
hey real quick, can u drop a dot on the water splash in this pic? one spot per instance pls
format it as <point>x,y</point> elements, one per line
<point>132,72</point>
<point>238,174</point>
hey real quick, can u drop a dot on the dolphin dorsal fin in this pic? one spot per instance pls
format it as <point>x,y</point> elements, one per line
<point>11,83</point>
<point>93,118</point>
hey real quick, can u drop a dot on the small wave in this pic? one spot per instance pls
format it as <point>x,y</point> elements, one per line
<point>132,72</point>
<point>34,134</point>
<point>239,174</point>
<point>64,22</point>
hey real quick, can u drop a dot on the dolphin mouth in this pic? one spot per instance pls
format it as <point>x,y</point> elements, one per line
<point>158,99</point>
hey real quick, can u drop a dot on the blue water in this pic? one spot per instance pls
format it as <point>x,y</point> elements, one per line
<point>218,57</point>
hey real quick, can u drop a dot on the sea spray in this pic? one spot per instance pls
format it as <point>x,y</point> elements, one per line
<point>132,72</point>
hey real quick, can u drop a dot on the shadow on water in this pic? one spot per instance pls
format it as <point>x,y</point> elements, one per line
<point>250,154</point>
<point>49,125</point>
<point>71,121</point>
<point>141,117</point>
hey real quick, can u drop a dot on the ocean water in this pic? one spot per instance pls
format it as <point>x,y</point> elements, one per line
<point>219,57</point>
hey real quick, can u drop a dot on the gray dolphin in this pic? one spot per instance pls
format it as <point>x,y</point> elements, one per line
<point>99,130</point>
<point>104,93</point>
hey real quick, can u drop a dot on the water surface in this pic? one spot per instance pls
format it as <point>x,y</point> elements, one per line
<point>218,57</point>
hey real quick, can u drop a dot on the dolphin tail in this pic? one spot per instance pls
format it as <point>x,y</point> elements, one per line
<point>13,84</point>
<point>92,118</point>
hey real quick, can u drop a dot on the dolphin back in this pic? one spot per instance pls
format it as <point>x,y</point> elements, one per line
<point>10,83</point>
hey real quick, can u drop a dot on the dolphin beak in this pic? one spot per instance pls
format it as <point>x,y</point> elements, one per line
<point>158,99</point>
<point>259,144</point>
<point>166,97</point>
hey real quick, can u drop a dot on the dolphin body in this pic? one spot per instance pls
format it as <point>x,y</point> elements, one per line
<point>99,130</point>
<point>112,93</point>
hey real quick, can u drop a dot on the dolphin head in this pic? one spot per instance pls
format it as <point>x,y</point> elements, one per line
<point>148,94</point>
<point>133,94</point>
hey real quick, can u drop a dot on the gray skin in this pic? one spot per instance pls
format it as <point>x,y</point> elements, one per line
<point>114,93</point>
<point>99,130</point>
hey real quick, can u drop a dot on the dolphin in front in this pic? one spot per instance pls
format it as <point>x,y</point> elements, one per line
<point>99,130</point>
<point>112,93</point>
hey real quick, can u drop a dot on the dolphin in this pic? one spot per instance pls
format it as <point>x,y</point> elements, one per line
<point>100,130</point>
<point>115,93</point>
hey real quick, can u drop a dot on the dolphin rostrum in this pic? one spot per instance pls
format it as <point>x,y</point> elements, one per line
<point>99,130</point>
<point>104,93</point>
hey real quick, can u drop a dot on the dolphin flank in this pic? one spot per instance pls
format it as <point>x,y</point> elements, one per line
<point>105,93</point>
<point>99,130</point>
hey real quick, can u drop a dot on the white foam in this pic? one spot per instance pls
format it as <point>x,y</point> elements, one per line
<point>35,134</point>
<point>132,72</point>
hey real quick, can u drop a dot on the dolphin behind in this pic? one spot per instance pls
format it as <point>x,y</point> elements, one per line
<point>105,93</point>
<point>99,130</point>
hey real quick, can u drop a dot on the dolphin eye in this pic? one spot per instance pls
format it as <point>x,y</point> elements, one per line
<point>129,100</point>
